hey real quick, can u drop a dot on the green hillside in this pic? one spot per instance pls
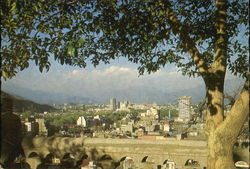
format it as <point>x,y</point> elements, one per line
<point>21,104</point>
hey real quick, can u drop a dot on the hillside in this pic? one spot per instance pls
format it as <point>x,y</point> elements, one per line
<point>22,104</point>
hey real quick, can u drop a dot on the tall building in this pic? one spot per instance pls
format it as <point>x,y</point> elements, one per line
<point>41,127</point>
<point>31,128</point>
<point>113,104</point>
<point>118,105</point>
<point>184,108</point>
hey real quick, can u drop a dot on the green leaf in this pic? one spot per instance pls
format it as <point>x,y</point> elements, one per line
<point>71,51</point>
<point>81,40</point>
<point>35,8</point>
<point>5,75</point>
<point>13,8</point>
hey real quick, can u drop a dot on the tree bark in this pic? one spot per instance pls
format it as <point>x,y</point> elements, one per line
<point>220,149</point>
<point>222,134</point>
<point>214,99</point>
<point>214,102</point>
<point>220,155</point>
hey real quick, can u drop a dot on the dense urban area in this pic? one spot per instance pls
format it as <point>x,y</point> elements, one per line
<point>118,120</point>
<point>122,120</point>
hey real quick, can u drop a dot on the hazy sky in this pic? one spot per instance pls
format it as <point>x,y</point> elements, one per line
<point>119,79</point>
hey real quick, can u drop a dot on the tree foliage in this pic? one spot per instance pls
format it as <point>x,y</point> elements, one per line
<point>75,32</point>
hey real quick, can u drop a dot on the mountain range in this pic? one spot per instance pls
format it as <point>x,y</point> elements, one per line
<point>137,94</point>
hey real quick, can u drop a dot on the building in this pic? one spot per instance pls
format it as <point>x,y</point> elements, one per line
<point>149,128</point>
<point>81,121</point>
<point>113,104</point>
<point>124,106</point>
<point>42,130</point>
<point>140,132</point>
<point>31,128</point>
<point>118,105</point>
<point>184,108</point>
<point>127,128</point>
<point>166,126</point>
<point>28,126</point>
<point>138,106</point>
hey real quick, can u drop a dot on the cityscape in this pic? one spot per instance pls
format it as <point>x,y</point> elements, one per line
<point>112,129</point>
<point>124,84</point>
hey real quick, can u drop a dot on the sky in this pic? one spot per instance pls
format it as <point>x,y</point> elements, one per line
<point>119,79</point>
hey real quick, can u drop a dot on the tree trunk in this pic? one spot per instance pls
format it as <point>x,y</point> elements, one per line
<point>219,155</point>
<point>223,133</point>
<point>220,149</point>
<point>220,152</point>
<point>214,101</point>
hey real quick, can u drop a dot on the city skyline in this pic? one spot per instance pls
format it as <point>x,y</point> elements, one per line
<point>119,79</point>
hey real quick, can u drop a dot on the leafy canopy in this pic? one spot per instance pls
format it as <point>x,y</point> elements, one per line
<point>74,32</point>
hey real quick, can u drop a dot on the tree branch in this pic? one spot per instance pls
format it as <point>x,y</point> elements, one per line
<point>182,30</point>
<point>54,14</point>
<point>221,38</point>
<point>237,115</point>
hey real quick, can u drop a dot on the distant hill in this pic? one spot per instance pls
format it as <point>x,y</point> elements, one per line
<point>22,104</point>
<point>43,97</point>
<point>140,93</point>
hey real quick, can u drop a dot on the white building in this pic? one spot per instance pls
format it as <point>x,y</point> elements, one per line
<point>184,108</point>
<point>81,121</point>
<point>31,127</point>
<point>28,126</point>
<point>41,127</point>
<point>97,117</point>
<point>166,126</point>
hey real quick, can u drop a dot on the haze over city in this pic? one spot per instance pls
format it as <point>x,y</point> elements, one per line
<point>119,79</point>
